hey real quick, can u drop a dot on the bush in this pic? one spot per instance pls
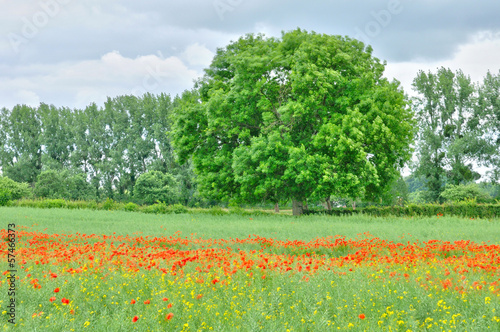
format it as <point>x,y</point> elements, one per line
<point>17,190</point>
<point>156,186</point>
<point>131,207</point>
<point>178,209</point>
<point>465,192</point>
<point>109,204</point>
<point>50,184</point>
<point>52,203</point>
<point>159,208</point>
<point>5,196</point>
<point>78,188</point>
<point>56,184</point>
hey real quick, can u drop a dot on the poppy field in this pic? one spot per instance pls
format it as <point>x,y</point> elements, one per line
<point>155,277</point>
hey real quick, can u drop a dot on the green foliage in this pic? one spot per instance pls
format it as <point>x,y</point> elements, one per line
<point>156,186</point>
<point>465,192</point>
<point>158,208</point>
<point>306,115</point>
<point>21,143</point>
<point>334,211</point>
<point>178,209</point>
<point>109,204</point>
<point>111,145</point>
<point>5,196</point>
<point>17,190</point>
<point>50,184</point>
<point>130,207</point>
<point>468,208</point>
<point>397,193</point>
<point>217,211</point>
<point>78,188</point>
<point>61,184</point>
<point>452,130</point>
<point>492,189</point>
<point>489,106</point>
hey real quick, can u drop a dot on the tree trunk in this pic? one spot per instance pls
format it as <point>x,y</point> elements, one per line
<point>354,205</point>
<point>305,205</point>
<point>276,208</point>
<point>297,208</point>
<point>328,204</point>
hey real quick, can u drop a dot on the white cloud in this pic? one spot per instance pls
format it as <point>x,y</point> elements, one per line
<point>27,97</point>
<point>81,83</point>
<point>198,55</point>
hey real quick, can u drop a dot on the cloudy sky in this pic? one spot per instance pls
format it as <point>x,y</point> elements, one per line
<point>74,52</point>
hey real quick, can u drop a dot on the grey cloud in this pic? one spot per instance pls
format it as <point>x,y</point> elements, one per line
<point>428,29</point>
<point>398,30</point>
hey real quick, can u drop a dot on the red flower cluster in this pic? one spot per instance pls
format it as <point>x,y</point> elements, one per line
<point>170,255</point>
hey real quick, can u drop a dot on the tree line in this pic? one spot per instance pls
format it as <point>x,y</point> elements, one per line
<point>96,152</point>
<point>305,118</point>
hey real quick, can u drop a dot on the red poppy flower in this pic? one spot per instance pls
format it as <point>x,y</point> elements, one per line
<point>135,319</point>
<point>169,305</point>
<point>56,290</point>
<point>362,316</point>
<point>52,299</point>
<point>169,316</point>
<point>147,302</point>
<point>165,299</point>
<point>132,301</point>
<point>65,300</point>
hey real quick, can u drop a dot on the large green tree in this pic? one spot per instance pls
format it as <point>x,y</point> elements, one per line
<point>57,137</point>
<point>306,115</point>
<point>450,140</point>
<point>21,143</point>
<point>489,106</point>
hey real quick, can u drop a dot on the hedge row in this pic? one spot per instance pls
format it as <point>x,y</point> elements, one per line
<point>463,209</point>
<point>468,209</point>
<point>111,205</point>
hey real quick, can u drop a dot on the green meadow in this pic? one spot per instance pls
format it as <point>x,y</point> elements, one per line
<point>281,227</point>
<point>188,272</point>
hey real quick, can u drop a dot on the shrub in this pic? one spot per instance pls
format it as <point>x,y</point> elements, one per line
<point>178,209</point>
<point>56,184</point>
<point>159,208</point>
<point>109,204</point>
<point>17,190</point>
<point>156,186</point>
<point>78,188</point>
<point>131,207</point>
<point>465,192</point>
<point>5,196</point>
<point>51,203</point>
<point>50,184</point>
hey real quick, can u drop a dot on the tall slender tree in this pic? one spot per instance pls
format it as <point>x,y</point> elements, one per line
<point>489,108</point>
<point>450,138</point>
<point>21,147</point>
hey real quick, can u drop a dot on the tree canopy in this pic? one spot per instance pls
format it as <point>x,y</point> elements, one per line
<point>456,127</point>
<point>303,116</point>
<point>91,153</point>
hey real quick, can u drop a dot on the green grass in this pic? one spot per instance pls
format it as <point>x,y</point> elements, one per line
<point>280,227</point>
